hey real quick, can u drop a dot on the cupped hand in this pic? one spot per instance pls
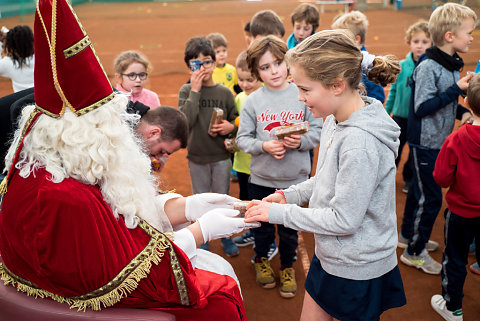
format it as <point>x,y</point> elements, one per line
<point>293,141</point>
<point>224,128</point>
<point>274,148</point>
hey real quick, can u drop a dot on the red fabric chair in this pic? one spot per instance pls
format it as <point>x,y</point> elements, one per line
<point>17,306</point>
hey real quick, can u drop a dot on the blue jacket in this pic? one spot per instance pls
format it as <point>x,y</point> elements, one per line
<point>433,109</point>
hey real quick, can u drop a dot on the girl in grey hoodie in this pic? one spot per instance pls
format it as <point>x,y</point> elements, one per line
<point>354,273</point>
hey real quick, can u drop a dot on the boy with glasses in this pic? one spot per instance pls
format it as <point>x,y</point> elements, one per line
<point>208,161</point>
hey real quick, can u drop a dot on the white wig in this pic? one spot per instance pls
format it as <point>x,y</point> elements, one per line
<point>99,147</point>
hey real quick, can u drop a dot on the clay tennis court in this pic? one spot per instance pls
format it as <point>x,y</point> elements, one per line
<point>160,30</point>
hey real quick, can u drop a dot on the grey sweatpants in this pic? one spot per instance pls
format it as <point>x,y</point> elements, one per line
<point>210,177</point>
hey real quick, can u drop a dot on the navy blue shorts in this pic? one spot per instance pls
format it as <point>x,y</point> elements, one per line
<point>359,300</point>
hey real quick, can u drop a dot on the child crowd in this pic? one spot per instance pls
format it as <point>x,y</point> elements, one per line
<point>329,80</point>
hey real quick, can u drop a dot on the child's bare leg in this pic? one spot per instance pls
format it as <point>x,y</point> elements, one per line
<point>311,311</point>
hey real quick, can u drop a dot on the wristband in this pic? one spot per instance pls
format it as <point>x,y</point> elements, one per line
<point>281,192</point>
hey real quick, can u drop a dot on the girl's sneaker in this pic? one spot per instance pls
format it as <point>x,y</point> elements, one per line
<point>475,268</point>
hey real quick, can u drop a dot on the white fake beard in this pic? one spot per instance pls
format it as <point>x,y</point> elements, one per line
<point>99,147</point>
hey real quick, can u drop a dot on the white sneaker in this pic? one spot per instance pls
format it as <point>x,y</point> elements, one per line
<point>439,305</point>
<point>403,244</point>
<point>423,261</point>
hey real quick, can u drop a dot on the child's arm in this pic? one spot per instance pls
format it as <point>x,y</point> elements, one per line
<point>353,191</point>
<point>446,164</point>
<point>427,98</point>
<point>189,104</point>
<point>298,194</point>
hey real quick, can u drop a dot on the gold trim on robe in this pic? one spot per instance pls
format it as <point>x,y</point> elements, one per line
<point>121,285</point>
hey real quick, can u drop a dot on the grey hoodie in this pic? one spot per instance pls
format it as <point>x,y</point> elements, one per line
<point>351,197</point>
<point>262,112</point>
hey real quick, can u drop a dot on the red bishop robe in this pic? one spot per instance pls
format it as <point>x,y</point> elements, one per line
<point>62,240</point>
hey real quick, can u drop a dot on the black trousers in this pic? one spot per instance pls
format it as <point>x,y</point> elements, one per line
<point>265,234</point>
<point>459,233</point>
<point>243,185</point>
<point>424,200</point>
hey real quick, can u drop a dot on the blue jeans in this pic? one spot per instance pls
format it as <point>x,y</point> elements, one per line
<point>424,200</point>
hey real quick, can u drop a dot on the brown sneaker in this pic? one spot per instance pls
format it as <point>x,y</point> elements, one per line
<point>288,285</point>
<point>264,273</point>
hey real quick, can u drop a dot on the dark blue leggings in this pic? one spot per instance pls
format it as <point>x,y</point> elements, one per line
<point>265,234</point>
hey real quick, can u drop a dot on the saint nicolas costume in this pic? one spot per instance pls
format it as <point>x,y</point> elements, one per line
<point>62,240</point>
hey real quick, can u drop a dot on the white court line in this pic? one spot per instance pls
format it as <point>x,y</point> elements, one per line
<point>302,251</point>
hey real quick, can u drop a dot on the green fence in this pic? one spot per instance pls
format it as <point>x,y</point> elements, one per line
<point>9,8</point>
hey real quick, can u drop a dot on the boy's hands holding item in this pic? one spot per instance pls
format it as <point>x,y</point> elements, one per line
<point>463,82</point>
<point>274,148</point>
<point>294,141</point>
<point>224,128</point>
<point>199,204</point>
<point>220,223</point>
<point>257,211</point>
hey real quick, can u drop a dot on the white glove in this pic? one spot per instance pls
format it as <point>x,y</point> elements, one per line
<point>199,204</point>
<point>220,222</point>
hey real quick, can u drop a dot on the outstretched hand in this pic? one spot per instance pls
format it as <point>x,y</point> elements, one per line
<point>257,211</point>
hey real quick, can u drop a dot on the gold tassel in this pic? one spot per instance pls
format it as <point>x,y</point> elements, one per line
<point>3,187</point>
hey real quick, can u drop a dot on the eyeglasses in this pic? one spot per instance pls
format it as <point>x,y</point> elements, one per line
<point>133,76</point>
<point>196,64</point>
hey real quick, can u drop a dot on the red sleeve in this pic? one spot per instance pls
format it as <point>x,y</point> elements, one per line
<point>446,164</point>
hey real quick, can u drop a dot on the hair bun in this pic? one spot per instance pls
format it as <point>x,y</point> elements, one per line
<point>385,70</point>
